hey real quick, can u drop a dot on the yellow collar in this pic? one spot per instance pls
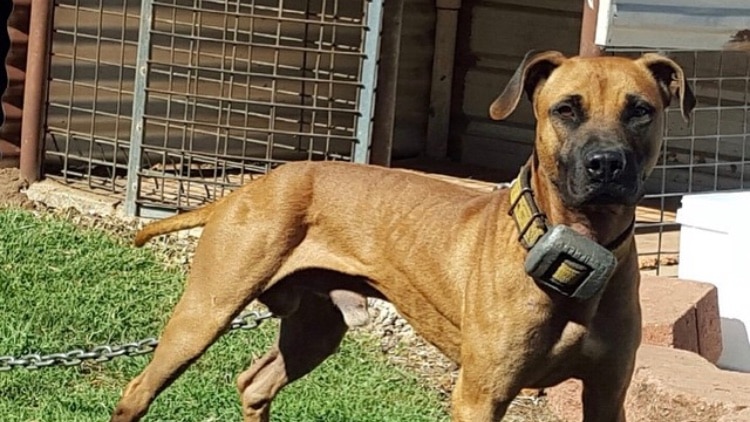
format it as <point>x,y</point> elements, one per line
<point>564,260</point>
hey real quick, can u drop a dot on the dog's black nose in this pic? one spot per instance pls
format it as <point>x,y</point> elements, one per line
<point>605,165</point>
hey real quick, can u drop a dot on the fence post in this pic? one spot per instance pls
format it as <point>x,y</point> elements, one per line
<point>369,77</point>
<point>35,89</point>
<point>139,107</point>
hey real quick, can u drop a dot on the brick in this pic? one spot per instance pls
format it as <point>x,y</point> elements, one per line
<point>709,326</point>
<point>681,314</point>
<point>670,385</point>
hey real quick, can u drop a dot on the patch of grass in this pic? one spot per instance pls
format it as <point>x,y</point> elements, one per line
<point>63,288</point>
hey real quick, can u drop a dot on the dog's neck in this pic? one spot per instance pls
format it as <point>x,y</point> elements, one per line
<point>603,224</point>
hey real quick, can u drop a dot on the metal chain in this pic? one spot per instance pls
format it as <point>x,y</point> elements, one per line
<point>103,353</point>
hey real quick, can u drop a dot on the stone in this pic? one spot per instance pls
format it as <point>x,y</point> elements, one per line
<point>58,195</point>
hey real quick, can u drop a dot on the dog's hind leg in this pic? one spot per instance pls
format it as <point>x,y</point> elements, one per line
<point>212,297</point>
<point>307,337</point>
<point>194,326</point>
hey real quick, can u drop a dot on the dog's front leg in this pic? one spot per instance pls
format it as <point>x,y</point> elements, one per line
<point>475,399</point>
<point>604,390</point>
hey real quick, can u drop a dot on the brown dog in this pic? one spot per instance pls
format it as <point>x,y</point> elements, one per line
<point>310,240</point>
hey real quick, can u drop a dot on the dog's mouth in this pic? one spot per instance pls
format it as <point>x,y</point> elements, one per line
<point>578,189</point>
<point>627,194</point>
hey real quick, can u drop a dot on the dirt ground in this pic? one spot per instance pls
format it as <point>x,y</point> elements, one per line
<point>10,189</point>
<point>398,341</point>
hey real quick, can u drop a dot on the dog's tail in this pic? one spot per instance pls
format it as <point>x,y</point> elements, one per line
<point>188,220</point>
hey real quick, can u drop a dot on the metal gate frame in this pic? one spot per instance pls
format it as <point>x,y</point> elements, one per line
<point>368,78</point>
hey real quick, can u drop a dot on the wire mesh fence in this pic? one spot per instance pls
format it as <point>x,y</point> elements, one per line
<point>176,101</point>
<point>92,68</point>
<point>707,154</point>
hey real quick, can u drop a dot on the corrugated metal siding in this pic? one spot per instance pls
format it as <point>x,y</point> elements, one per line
<point>14,30</point>
<point>493,37</point>
<point>673,24</point>
<point>415,69</point>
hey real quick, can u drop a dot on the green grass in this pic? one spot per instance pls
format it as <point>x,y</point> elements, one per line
<point>63,288</point>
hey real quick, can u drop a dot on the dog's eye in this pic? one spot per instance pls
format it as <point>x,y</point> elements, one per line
<point>641,111</point>
<point>565,111</point>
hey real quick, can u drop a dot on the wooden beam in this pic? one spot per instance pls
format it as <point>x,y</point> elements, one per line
<point>438,124</point>
<point>587,47</point>
<point>386,92</point>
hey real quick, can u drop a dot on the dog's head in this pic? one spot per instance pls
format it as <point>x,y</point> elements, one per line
<point>598,132</point>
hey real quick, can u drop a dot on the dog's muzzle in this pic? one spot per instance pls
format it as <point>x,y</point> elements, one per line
<point>601,176</point>
<point>560,258</point>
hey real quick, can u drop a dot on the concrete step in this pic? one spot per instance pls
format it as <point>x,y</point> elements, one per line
<point>670,385</point>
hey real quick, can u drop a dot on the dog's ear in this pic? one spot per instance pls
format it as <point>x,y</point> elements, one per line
<point>534,69</point>
<point>671,80</point>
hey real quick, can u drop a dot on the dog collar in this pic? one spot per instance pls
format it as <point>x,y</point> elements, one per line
<point>559,257</point>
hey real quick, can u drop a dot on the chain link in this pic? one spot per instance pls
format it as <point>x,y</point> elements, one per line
<point>104,353</point>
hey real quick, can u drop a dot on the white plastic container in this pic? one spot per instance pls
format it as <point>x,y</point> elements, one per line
<point>715,248</point>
